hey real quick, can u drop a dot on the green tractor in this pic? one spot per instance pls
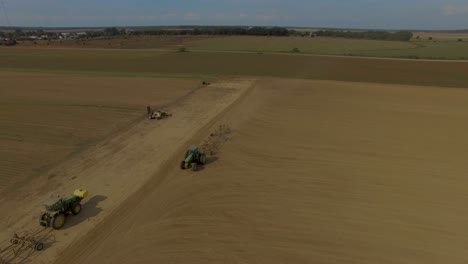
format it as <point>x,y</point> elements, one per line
<point>193,158</point>
<point>57,208</point>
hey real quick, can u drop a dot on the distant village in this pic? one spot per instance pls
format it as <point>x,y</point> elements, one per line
<point>41,35</point>
<point>13,36</point>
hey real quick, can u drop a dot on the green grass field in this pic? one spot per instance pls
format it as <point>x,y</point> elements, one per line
<point>439,50</point>
<point>442,49</point>
<point>304,44</point>
<point>206,64</point>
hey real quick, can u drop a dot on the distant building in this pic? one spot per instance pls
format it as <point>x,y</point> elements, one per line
<point>8,42</point>
<point>64,35</point>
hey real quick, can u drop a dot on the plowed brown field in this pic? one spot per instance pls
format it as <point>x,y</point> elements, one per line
<point>112,170</point>
<point>44,119</point>
<point>313,172</point>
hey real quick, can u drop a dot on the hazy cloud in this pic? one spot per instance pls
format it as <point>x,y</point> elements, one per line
<point>450,10</point>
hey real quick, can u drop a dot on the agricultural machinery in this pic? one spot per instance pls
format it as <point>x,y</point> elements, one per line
<point>58,208</point>
<point>193,158</point>
<point>23,242</point>
<point>156,114</point>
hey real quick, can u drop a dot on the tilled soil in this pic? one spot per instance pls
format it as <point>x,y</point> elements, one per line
<point>312,172</point>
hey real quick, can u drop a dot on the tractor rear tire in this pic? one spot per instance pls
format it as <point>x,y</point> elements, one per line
<point>76,209</point>
<point>182,165</point>
<point>202,159</point>
<point>194,166</point>
<point>57,221</point>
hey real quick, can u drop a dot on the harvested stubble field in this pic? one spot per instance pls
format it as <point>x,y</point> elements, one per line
<point>47,118</point>
<point>190,64</point>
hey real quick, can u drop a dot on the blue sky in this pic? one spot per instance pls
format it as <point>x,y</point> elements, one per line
<point>384,14</point>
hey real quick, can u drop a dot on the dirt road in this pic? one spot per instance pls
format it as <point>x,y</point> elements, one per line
<point>314,172</point>
<point>115,169</point>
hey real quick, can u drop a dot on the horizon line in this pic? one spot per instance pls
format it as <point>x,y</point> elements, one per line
<point>187,26</point>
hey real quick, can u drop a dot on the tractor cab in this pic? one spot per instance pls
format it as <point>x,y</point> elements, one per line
<point>191,150</point>
<point>53,204</point>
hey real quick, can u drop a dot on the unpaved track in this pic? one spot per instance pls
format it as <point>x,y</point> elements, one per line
<point>116,168</point>
<point>316,172</point>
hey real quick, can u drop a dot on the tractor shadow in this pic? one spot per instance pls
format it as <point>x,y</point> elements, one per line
<point>209,160</point>
<point>90,209</point>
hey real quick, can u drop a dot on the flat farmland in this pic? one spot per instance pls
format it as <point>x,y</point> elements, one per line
<point>205,64</point>
<point>317,45</point>
<point>437,50</point>
<point>46,118</point>
<point>441,36</point>
<point>447,46</point>
<point>312,172</point>
<point>327,159</point>
<point>444,46</point>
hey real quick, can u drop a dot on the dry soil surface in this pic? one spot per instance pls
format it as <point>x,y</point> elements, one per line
<point>112,171</point>
<point>312,172</point>
<point>46,118</point>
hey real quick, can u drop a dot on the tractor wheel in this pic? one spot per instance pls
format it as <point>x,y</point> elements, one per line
<point>202,159</point>
<point>194,166</point>
<point>39,246</point>
<point>182,165</point>
<point>57,221</point>
<point>76,209</point>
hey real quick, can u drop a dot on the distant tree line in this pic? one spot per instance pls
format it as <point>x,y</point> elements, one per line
<point>216,30</point>
<point>226,31</point>
<point>262,31</point>
<point>374,35</point>
<point>20,34</point>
